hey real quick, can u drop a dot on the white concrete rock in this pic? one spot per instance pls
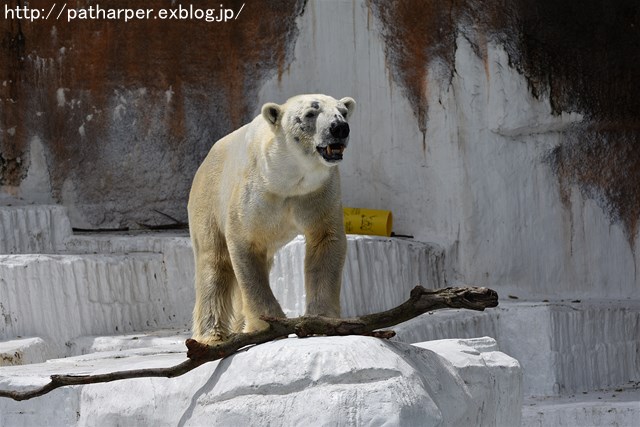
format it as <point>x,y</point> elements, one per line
<point>104,277</point>
<point>59,297</point>
<point>114,343</point>
<point>23,351</point>
<point>618,407</point>
<point>479,363</point>
<point>176,254</point>
<point>314,381</point>
<point>573,348</point>
<point>33,228</point>
<point>379,273</point>
<point>563,347</point>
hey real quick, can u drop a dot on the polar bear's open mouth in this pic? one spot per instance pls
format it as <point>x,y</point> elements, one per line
<point>332,152</point>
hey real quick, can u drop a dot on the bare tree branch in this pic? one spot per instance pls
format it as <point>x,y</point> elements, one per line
<point>64,380</point>
<point>421,301</point>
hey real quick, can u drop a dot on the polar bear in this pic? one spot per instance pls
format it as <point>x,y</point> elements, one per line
<point>259,187</point>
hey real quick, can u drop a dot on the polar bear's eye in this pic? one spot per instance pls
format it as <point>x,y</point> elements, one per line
<point>310,114</point>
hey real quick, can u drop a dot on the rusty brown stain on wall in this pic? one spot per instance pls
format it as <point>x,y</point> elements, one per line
<point>415,32</point>
<point>604,163</point>
<point>419,32</point>
<point>12,169</point>
<point>583,54</point>
<point>134,90</point>
<point>586,56</point>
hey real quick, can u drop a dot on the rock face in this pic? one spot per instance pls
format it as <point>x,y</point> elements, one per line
<point>315,381</point>
<point>99,122</point>
<point>117,294</point>
<point>505,133</point>
<point>33,228</point>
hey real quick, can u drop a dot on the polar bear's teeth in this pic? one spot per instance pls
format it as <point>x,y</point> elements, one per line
<point>336,149</point>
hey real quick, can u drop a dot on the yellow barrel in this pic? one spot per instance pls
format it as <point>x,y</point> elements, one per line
<point>368,221</point>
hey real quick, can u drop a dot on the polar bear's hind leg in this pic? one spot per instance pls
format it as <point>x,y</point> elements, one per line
<point>215,283</point>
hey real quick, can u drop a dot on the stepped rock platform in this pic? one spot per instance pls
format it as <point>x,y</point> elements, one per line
<point>81,302</point>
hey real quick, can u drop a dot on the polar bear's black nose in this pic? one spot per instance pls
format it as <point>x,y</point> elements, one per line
<point>339,129</point>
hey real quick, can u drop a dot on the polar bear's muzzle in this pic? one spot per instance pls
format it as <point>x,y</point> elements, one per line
<point>332,152</point>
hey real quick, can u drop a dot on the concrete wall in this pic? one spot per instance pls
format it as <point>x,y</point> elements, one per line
<point>506,134</point>
<point>112,118</point>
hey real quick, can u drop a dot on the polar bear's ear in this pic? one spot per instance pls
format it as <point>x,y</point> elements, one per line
<point>272,113</point>
<point>350,103</point>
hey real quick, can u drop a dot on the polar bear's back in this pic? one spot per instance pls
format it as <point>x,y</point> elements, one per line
<point>222,170</point>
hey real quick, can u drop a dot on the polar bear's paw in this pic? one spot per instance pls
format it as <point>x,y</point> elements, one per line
<point>213,337</point>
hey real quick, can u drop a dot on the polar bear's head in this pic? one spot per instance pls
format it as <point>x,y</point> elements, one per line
<point>317,125</point>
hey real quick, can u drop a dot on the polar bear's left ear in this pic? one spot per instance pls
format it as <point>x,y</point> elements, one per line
<point>272,113</point>
<point>350,103</point>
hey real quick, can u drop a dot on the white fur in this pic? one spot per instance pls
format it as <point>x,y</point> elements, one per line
<point>257,188</point>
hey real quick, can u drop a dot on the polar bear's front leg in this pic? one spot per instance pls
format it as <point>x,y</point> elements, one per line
<point>251,268</point>
<point>323,263</point>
